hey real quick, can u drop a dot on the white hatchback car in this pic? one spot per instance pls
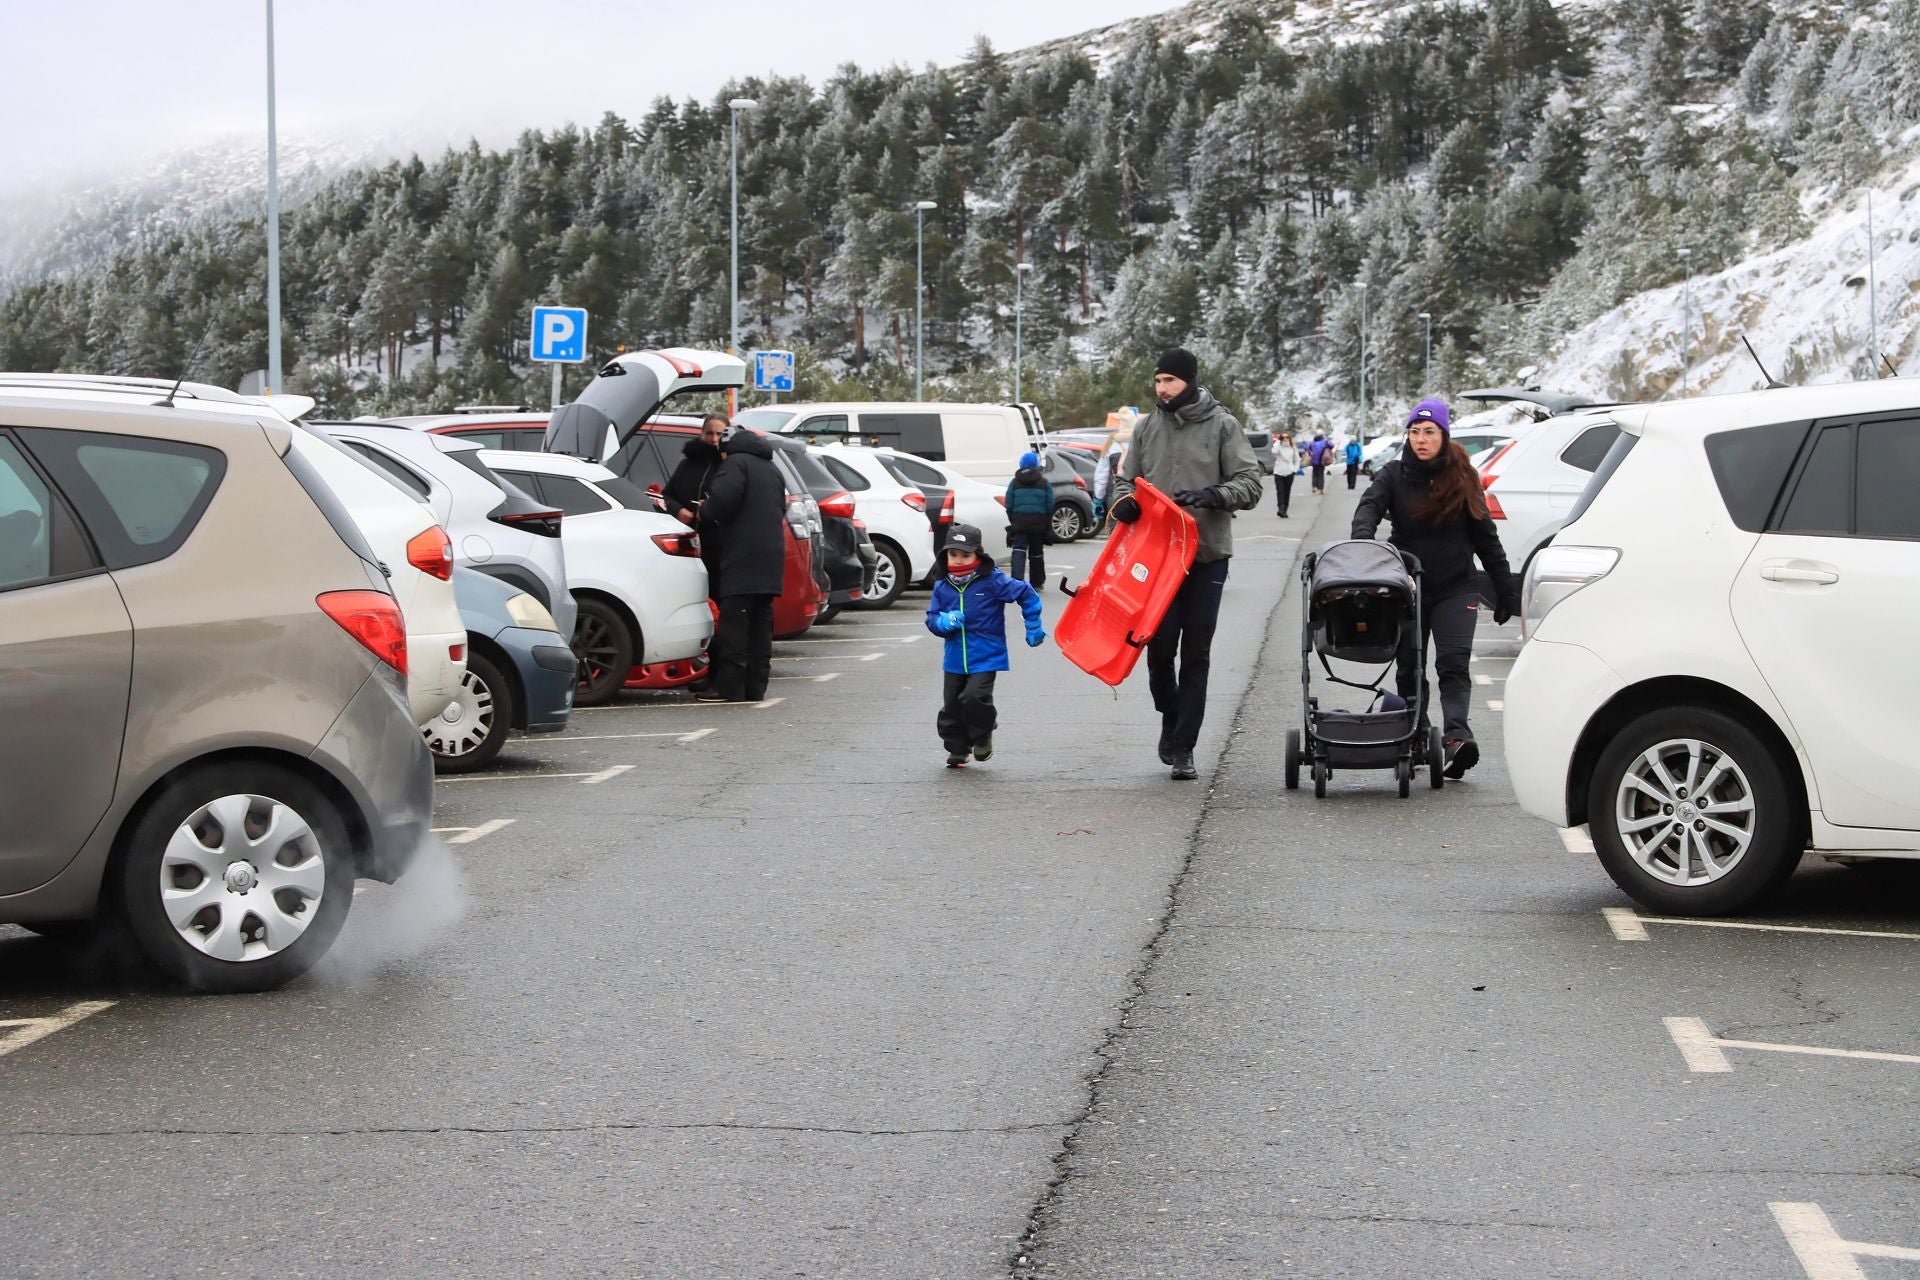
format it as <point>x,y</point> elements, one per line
<point>981,505</point>
<point>636,575</point>
<point>1533,481</point>
<point>1717,676</point>
<point>895,514</point>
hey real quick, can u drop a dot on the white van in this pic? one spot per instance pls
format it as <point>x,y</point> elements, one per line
<point>982,441</point>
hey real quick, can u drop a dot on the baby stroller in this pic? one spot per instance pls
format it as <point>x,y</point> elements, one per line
<point>1360,599</point>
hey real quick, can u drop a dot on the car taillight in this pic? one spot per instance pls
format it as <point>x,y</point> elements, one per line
<point>1490,470</point>
<point>840,506</point>
<point>946,506</point>
<point>915,499</point>
<point>678,544</point>
<point>1493,507</point>
<point>1000,498</point>
<point>544,523</point>
<point>373,618</point>
<point>431,552</point>
<point>1078,480</point>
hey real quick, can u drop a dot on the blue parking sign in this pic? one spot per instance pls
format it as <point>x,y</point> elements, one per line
<point>773,371</point>
<point>560,334</point>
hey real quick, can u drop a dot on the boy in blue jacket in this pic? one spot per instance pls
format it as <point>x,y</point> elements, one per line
<point>969,609</point>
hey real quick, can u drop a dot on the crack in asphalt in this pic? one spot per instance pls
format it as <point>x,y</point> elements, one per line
<point>1818,1014</point>
<point>1023,1264</point>
<point>1392,1219</point>
<point>611,1126</point>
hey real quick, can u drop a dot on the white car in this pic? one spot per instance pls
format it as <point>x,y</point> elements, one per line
<point>418,558</point>
<point>981,505</point>
<point>635,574</point>
<point>895,514</point>
<point>1533,482</point>
<point>1718,673</point>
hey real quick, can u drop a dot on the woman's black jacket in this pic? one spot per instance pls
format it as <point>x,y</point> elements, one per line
<point>1446,551</point>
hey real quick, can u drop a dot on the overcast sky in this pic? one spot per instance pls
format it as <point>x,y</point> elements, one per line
<point>92,86</point>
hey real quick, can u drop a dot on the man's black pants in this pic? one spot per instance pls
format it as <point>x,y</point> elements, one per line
<point>967,716</point>
<point>1450,620</point>
<point>1283,489</point>
<point>1186,632</point>
<point>742,650</point>
<point>1028,547</point>
<point>1353,473</point>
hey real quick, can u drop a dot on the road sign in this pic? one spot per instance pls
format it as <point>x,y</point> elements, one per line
<point>773,371</point>
<point>560,334</point>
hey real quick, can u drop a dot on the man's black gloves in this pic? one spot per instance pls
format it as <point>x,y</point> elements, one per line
<point>1207,499</point>
<point>1127,510</point>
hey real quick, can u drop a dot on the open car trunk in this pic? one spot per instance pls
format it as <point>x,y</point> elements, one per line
<point>629,389</point>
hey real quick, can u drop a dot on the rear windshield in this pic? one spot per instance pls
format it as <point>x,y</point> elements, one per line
<point>1617,454</point>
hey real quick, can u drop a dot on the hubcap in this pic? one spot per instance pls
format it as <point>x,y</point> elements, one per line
<point>1684,810</point>
<point>242,877</point>
<point>1066,523</point>
<point>883,578</point>
<point>466,722</point>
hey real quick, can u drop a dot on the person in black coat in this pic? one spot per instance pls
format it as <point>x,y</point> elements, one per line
<point>747,502</point>
<point>686,491</point>
<point>1432,494</point>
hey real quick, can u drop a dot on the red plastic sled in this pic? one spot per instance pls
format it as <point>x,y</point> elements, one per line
<point>1110,618</point>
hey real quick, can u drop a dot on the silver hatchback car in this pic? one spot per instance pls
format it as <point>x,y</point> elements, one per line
<point>204,730</point>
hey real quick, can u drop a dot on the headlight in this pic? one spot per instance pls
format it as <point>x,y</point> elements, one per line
<point>1556,573</point>
<point>529,613</point>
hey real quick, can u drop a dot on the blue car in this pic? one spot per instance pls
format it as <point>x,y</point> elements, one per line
<point>521,674</point>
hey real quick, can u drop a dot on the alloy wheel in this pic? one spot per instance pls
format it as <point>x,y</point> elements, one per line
<point>1685,812</point>
<point>596,647</point>
<point>242,877</point>
<point>466,722</point>
<point>1066,522</point>
<point>883,578</point>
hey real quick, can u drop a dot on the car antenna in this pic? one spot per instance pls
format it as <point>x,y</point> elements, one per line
<point>1772,384</point>
<point>1891,367</point>
<point>191,361</point>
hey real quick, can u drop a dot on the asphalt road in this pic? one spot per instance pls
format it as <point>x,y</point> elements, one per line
<point>766,991</point>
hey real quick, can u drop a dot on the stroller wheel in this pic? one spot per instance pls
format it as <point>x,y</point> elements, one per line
<point>1403,774</point>
<point>1293,759</point>
<point>1436,759</point>
<point>1320,776</point>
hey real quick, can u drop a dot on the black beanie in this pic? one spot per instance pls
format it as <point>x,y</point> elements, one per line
<point>1181,363</point>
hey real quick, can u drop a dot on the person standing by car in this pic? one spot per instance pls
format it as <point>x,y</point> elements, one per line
<point>1029,503</point>
<point>1432,494</point>
<point>1317,459</point>
<point>747,503</point>
<point>1193,450</point>
<point>1286,465</point>
<point>1352,456</point>
<point>686,489</point>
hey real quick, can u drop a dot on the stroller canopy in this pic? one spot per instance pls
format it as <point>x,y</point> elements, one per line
<point>1361,563</point>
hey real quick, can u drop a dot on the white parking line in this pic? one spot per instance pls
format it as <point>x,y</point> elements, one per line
<point>853,640</point>
<point>831,675</point>
<point>829,657</point>
<point>17,1033</point>
<point>1629,920</point>
<point>586,778</point>
<point>469,834</point>
<point>606,774</point>
<point>611,737</point>
<point>1482,680</point>
<point>1495,704</point>
<point>1704,1051</point>
<point>1822,1253</point>
<point>1576,839</point>
<point>696,735</point>
<point>682,706</point>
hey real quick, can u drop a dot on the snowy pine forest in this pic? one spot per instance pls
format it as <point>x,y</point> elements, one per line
<point>1223,176</point>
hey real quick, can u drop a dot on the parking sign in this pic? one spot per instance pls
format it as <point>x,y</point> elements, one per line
<point>560,334</point>
<point>773,371</point>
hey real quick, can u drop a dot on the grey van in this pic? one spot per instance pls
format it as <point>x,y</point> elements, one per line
<point>204,729</point>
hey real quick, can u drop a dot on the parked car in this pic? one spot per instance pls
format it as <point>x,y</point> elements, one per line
<point>895,512</point>
<point>636,575</point>
<point>1533,482</point>
<point>518,430</point>
<point>496,529</point>
<point>847,569</point>
<point>984,506</point>
<point>520,675</point>
<point>1072,517</point>
<point>1483,432</point>
<point>216,740</point>
<point>417,555</point>
<point>981,441</point>
<point>1716,674</point>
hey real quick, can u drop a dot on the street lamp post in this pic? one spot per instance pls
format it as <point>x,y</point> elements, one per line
<point>1361,429</point>
<point>1426,361</point>
<point>1020,270</point>
<point>1873,302</point>
<point>734,107</point>
<point>273,224</point>
<point>920,293</point>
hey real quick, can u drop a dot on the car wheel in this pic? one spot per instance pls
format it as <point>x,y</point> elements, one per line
<point>889,577</point>
<point>1068,524</point>
<point>829,613</point>
<point>604,647</point>
<point>473,728</point>
<point>1690,813</point>
<point>236,879</point>
<point>1293,759</point>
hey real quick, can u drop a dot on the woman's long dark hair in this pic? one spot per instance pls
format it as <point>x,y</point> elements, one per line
<point>1455,493</point>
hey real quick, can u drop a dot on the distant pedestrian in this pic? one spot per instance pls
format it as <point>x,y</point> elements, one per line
<point>747,502</point>
<point>1317,459</point>
<point>686,491</point>
<point>969,608</point>
<point>1029,503</point>
<point>1191,449</point>
<point>1286,465</point>
<point>1353,462</point>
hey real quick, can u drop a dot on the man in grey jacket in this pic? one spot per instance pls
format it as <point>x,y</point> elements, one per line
<point>1191,449</point>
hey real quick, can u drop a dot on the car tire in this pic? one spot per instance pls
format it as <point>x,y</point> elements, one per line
<point>484,713</point>
<point>828,614</point>
<point>889,577</point>
<point>604,646</point>
<point>285,868</point>
<point>1067,523</point>
<point>1734,850</point>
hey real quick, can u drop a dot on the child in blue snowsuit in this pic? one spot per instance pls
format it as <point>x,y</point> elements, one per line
<point>969,609</point>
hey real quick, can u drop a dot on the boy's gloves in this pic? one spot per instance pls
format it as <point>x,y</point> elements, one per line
<point>1127,510</point>
<point>1209,498</point>
<point>951,621</point>
<point>1035,634</point>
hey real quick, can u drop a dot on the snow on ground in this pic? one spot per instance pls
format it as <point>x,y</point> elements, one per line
<point>1804,307</point>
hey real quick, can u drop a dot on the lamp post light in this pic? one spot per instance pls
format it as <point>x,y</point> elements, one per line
<point>1020,270</point>
<point>1426,361</point>
<point>1686,319</point>
<point>734,107</point>
<point>273,224</point>
<point>920,293</point>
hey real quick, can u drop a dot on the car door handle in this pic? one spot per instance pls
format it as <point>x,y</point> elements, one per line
<point>1788,571</point>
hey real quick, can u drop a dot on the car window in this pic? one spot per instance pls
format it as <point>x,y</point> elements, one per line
<point>848,478</point>
<point>1822,500</point>
<point>525,439</point>
<point>821,428</point>
<point>627,494</point>
<point>1751,465</point>
<point>1617,454</point>
<point>1889,471</point>
<point>387,467</point>
<point>140,498</point>
<point>644,459</point>
<point>26,522</point>
<point>917,472</point>
<point>572,497</point>
<point>1589,448</point>
<point>919,433</point>
<point>485,439</point>
<point>764,419</point>
<point>1477,445</point>
<point>818,479</point>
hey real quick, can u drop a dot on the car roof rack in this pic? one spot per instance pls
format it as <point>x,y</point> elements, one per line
<point>111,382</point>
<point>493,408</point>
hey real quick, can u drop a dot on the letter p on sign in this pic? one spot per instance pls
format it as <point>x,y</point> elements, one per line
<point>559,334</point>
